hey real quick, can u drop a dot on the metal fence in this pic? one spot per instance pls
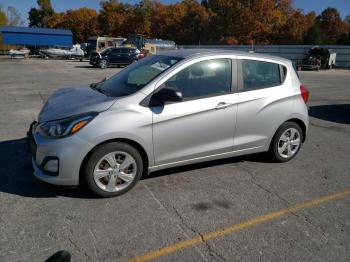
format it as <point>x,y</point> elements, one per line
<point>292,52</point>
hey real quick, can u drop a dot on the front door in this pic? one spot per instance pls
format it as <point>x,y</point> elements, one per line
<point>114,56</point>
<point>203,123</point>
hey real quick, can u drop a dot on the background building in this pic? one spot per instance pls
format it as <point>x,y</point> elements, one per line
<point>29,36</point>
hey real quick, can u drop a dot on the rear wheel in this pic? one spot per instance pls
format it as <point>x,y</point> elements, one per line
<point>286,142</point>
<point>112,169</point>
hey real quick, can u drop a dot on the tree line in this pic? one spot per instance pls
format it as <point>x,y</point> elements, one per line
<point>205,22</point>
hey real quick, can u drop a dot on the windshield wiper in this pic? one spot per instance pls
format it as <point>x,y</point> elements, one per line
<point>95,86</point>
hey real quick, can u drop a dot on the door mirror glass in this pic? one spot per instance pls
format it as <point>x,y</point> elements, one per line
<point>169,94</point>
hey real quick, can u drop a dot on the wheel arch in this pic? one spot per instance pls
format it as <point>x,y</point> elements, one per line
<point>130,142</point>
<point>300,123</point>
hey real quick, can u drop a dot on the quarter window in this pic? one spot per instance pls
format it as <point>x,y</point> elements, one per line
<point>260,74</point>
<point>206,78</point>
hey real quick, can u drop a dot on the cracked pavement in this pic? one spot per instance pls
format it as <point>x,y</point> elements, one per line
<point>37,219</point>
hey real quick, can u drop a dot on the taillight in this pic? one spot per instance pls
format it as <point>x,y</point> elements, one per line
<point>304,93</point>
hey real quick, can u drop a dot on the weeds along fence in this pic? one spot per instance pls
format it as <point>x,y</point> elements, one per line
<point>292,52</point>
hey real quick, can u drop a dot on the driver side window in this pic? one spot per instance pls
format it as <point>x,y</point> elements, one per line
<point>203,79</point>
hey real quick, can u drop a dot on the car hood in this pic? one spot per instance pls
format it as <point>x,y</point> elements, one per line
<point>71,101</point>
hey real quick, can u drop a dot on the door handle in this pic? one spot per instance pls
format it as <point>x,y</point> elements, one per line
<point>222,105</point>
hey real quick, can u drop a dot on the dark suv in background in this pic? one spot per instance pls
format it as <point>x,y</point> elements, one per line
<point>114,56</point>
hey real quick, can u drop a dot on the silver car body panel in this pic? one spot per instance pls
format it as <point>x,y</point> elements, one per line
<point>70,101</point>
<point>179,133</point>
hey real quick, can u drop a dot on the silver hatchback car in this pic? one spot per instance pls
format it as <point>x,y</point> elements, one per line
<point>175,108</point>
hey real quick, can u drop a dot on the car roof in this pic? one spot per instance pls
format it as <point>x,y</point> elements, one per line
<point>187,53</point>
<point>124,47</point>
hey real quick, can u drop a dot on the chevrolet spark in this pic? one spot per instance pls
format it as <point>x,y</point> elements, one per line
<point>170,109</point>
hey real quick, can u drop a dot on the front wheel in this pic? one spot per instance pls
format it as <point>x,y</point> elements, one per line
<point>112,169</point>
<point>286,142</point>
<point>103,64</point>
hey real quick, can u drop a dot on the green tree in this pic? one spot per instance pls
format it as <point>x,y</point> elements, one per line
<point>314,35</point>
<point>331,25</point>
<point>40,17</point>
<point>347,21</point>
<point>344,39</point>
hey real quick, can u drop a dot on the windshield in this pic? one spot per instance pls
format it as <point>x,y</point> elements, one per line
<point>136,76</point>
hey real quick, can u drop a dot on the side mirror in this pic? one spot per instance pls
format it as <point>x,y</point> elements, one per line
<point>167,94</point>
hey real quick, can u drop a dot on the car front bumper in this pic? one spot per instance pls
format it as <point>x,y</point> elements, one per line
<point>93,61</point>
<point>70,151</point>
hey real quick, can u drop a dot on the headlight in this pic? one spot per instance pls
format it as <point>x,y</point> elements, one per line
<point>65,127</point>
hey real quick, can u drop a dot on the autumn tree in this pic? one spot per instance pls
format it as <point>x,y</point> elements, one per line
<point>3,17</point>
<point>139,20</point>
<point>246,21</point>
<point>296,28</point>
<point>113,18</point>
<point>82,22</point>
<point>161,19</point>
<point>39,17</point>
<point>193,26</point>
<point>204,22</point>
<point>3,21</point>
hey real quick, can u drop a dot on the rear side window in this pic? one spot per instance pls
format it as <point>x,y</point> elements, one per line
<point>260,74</point>
<point>125,50</point>
<point>116,51</point>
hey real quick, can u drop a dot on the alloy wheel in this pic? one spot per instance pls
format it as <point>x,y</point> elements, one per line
<point>289,143</point>
<point>115,171</point>
<point>103,64</point>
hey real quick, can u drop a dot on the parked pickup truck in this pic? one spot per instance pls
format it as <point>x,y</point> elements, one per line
<point>318,58</point>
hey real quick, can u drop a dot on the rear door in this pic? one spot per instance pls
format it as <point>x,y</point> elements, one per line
<point>265,100</point>
<point>125,55</point>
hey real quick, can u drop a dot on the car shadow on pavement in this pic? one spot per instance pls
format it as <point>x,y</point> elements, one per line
<point>334,113</point>
<point>85,66</point>
<point>16,174</point>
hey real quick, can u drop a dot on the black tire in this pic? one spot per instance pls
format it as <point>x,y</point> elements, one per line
<point>96,155</point>
<point>103,63</point>
<point>273,151</point>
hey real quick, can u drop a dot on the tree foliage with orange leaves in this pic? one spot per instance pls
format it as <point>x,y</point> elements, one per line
<point>83,22</point>
<point>208,22</point>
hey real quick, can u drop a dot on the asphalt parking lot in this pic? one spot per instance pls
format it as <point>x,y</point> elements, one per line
<point>239,209</point>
